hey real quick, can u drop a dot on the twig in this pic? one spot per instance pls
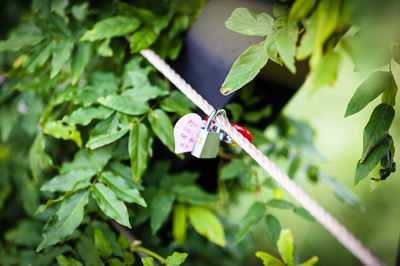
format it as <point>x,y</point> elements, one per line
<point>132,239</point>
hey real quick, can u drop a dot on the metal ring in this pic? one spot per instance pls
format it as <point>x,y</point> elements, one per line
<point>212,116</point>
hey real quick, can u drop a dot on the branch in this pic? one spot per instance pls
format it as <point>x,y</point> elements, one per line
<point>132,239</point>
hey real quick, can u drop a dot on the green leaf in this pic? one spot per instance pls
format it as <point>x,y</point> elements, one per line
<point>80,60</point>
<point>110,205</point>
<point>285,246</point>
<point>148,261</point>
<point>279,203</point>
<point>39,56</point>
<point>179,224</point>
<point>61,55</point>
<point>300,9</point>
<point>8,122</point>
<point>111,27</point>
<point>207,224</point>
<point>79,11</point>
<point>395,68</point>
<point>18,41</point>
<point>328,15</point>
<point>38,158</point>
<point>84,115</point>
<point>58,7</point>
<point>138,78</point>
<point>121,188</point>
<point>175,181</point>
<point>233,169</point>
<point>254,214</point>
<point>247,22</point>
<point>176,259</point>
<point>68,217</point>
<point>273,228</point>
<point>88,252</point>
<point>389,95</point>
<point>182,99</point>
<point>60,131</point>
<point>84,159</point>
<point>115,262</point>
<point>245,68</point>
<point>160,208</point>
<point>102,244</point>
<point>377,128</point>
<point>64,261</point>
<point>104,49</point>
<point>303,213</point>
<point>373,158</point>
<point>194,195</point>
<point>180,24</point>
<point>124,172</point>
<point>371,88</point>
<point>105,139</point>
<point>138,152</point>
<point>285,40</point>
<point>270,48</point>
<point>28,192</point>
<point>343,193</point>
<point>268,259</point>
<point>129,258</point>
<point>25,234</point>
<point>174,48</point>
<point>162,127</point>
<point>73,180</point>
<point>361,43</point>
<point>126,104</point>
<point>310,262</point>
<point>142,39</point>
<point>172,105</point>
<point>123,242</point>
<point>110,235</point>
<point>50,202</point>
<point>308,40</point>
<point>325,72</point>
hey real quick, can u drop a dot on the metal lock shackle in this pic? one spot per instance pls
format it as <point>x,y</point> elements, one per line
<point>212,116</point>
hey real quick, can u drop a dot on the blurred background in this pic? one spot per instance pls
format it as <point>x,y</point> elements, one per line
<point>340,140</point>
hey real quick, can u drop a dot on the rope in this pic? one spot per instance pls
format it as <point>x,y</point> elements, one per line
<point>318,212</point>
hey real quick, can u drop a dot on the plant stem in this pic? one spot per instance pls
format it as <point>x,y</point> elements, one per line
<point>150,110</point>
<point>151,253</point>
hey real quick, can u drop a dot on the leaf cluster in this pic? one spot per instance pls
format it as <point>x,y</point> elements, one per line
<point>324,32</point>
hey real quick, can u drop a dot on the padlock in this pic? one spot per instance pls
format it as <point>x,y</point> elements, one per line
<point>229,144</point>
<point>207,142</point>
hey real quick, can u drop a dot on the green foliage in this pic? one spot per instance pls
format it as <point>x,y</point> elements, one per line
<point>320,31</point>
<point>138,150</point>
<point>273,228</point>
<point>70,68</point>
<point>207,224</point>
<point>300,9</point>
<point>285,41</point>
<point>253,216</point>
<point>179,222</point>
<point>111,27</point>
<point>286,250</point>
<point>176,259</point>
<point>162,127</point>
<point>245,21</point>
<point>66,219</point>
<point>83,122</point>
<point>376,83</point>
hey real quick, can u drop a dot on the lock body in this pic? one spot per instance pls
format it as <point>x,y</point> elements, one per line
<point>207,144</point>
